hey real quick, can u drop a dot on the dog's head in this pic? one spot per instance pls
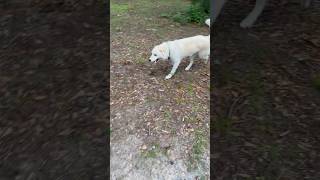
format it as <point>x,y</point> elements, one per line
<point>159,52</point>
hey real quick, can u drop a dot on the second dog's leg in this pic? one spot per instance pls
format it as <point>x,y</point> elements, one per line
<point>190,64</point>
<point>173,70</point>
<point>217,6</point>
<point>255,13</point>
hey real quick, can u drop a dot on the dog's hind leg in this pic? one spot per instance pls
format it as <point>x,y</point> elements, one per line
<point>173,70</point>
<point>191,63</point>
<point>205,55</point>
<point>254,14</point>
<point>217,6</point>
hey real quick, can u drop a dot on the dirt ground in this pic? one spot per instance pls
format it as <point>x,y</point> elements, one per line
<point>53,90</point>
<point>265,100</point>
<point>159,129</point>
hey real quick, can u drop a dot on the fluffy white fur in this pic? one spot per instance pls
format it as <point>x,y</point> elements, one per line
<point>179,49</point>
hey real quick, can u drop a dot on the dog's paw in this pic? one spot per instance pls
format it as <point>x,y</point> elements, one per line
<point>187,68</point>
<point>168,76</point>
<point>246,23</point>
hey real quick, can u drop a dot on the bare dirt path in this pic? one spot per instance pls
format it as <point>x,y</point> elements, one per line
<point>159,129</point>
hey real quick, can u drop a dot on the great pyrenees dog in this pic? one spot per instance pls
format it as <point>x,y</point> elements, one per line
<point>179,49</point>
<point>253,15</point>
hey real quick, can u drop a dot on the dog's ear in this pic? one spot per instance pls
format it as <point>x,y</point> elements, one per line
<point>162,51</point>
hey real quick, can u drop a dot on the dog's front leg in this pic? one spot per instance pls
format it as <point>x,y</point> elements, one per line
<point>255,13</point>
<point>173,70</point>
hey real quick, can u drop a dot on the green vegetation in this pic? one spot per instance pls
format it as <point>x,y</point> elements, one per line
<point>153,152</point>
<point>200,144</point>
<point>196,12</point>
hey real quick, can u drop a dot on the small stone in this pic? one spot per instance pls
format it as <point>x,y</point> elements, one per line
<point>144,147</point>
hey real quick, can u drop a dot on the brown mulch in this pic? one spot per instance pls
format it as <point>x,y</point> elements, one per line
<point>53,90</point>
<point>265,108</point>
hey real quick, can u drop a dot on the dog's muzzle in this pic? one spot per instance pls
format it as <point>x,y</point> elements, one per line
<point>155,60</point>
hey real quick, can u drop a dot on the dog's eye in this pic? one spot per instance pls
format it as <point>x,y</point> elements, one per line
<point>155,55</point>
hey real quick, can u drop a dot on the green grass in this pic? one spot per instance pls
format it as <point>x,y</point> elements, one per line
<point>198,148</point>
<point>118,9</point>
<point>167,118</point>
<point>167,115</point>
<point>190,89</point>
<point>177,10</point>
<point>143,14</point>
<point>153,152</point>
<point>141,61</point>
<point>193,118</point>
<point>188,13</point>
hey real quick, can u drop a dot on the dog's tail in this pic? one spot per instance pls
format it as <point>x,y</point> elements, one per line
<point>208,22</point>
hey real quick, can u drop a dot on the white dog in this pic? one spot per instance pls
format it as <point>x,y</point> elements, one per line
<point>176,50</point>
<point>253,15</point>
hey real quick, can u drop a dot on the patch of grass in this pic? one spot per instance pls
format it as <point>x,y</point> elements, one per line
<point>193,118</point>
<point>190,90</point>
<point>316,82</point>
<point>195,13</point>
<point>186,12</point>
<point>140,61</point>
<point>181,17</point>
<point>117,9</point>
<point>167,115</point>
<point>167,118</point>
<point>153,152</point>
<point>179,100</point>
<point>198,148</point>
